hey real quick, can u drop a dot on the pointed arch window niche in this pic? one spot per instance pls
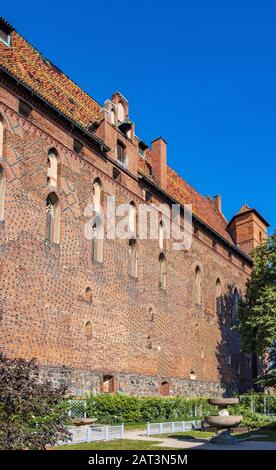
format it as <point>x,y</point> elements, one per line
<point>218,297</point>
<point>52,170</point>
<point>88,331</point>
<point>198,286</point>
<point>163,272</point>
<point>2,192</point>
<point>53,218</point>
<point>133,258</point>
<point>97,242</point>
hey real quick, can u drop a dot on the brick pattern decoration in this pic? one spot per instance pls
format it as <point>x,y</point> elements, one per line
<point>99,341</point>
<point>44,309</point>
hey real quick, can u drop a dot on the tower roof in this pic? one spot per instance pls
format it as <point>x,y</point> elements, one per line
<point>244,209</point>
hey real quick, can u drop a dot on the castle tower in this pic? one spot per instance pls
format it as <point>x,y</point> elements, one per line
<point>248,229</point>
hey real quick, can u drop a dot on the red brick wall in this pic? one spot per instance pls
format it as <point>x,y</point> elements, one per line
<point>44,311</point>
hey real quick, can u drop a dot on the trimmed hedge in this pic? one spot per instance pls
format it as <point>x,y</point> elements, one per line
<point>117,408</point>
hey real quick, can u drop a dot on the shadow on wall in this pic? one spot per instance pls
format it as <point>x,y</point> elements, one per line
<point>234,370</point>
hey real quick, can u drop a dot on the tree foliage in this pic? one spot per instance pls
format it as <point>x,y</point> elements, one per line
<point>257,310</point>
<point>32,412</point>
<point>268,379</point>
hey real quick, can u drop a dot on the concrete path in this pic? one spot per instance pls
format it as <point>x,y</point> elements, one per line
<point>198,444</point>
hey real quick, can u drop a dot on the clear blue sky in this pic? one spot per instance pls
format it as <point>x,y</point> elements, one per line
<point>200,73</point>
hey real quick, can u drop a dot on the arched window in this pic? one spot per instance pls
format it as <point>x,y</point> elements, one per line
<point>132,219</point>
<point>88,295</point>
<point>165,388</point>
<point>97,239</point>
<point>151,314</point>
<point>2,192</point>
<point>163,271</point>
<point>198,294</point>
<point>218,297</point>
<point>149,342</point>
<point>1,136</point>
<point>235,304</point>
<point>121,112</point>
<point>98,226</point>
<point>52,171</point>
<point>53,218</point>
<point>108,384</point>
<point>161,235</point>
<point>88,330</point>
<point>97,195</point>
<point>133,258</point>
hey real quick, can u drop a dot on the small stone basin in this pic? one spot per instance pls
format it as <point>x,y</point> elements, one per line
<point>221,402</point>
<point>223,422</point>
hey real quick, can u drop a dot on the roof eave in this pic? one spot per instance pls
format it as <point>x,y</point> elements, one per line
<point>96,140</point>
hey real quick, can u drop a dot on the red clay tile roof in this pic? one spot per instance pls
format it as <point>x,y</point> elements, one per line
<point>203,208</point>
<point>184,193</point>
<point>27,64</point>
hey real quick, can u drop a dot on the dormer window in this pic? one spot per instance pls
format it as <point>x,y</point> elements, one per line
<point>5,33</point>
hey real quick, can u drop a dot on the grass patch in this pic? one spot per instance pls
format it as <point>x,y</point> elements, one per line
<point>187,435</point>
<point>120,444</point>
<point>269,435</point>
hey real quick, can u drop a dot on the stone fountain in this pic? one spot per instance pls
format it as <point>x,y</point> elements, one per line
<point>223,421</point>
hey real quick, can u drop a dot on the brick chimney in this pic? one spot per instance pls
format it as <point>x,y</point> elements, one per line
<point>217,202</point>
<point>159,161</point>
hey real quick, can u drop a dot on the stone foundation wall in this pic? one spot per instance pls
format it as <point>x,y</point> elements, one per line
<point>80,382</point>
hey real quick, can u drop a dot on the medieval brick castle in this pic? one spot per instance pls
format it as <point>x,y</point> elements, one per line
<point>107,315</point>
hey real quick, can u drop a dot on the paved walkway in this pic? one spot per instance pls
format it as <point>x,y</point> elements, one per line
<point>198,444</point>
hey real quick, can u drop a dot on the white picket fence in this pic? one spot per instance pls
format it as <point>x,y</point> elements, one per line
<point>94,433</point>
<point>174,426</point>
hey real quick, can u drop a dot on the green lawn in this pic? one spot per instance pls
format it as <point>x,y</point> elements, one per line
<point>118,444</point>
<point>128,444</point>
<point>187,435</point>
<point>268,433</point>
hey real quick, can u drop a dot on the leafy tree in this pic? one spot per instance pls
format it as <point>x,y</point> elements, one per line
<point>268,379</point>
<point>257,311</point>
<point>32,412</point>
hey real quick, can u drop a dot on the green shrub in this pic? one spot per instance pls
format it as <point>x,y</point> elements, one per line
<point>251,419</point>
<point>118,408</point>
